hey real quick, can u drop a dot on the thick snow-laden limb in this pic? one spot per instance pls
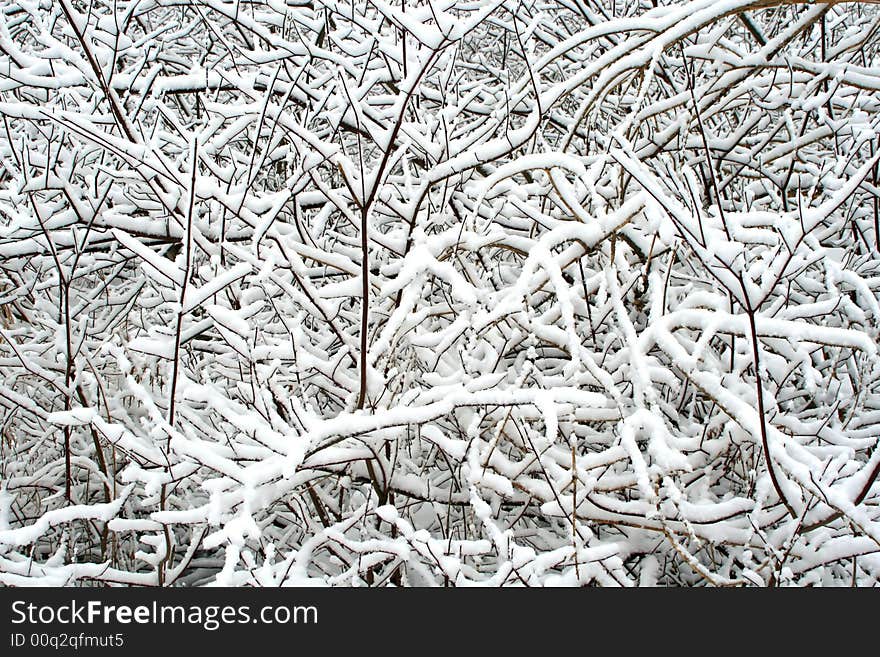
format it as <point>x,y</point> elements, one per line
<point>457,294</point>
<point>30,533</point>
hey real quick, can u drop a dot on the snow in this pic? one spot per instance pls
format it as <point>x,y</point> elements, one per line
<point>29,533</point>
<point>441,293</point>
<point>73,417</point>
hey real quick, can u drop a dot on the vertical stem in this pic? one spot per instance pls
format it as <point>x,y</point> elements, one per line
<point>823,29</point>
<point>365,304</point>
<point>175,372</point>
<point>709,165</point>
<point>763,420</point>
<point>574,492</point>
<point>68,375</point>
<point>876,199</point>
<point>365,205</point>
<point>63,316</point>
<point>187,246</point>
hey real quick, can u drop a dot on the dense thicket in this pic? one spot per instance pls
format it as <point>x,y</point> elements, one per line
<point>497,292</point>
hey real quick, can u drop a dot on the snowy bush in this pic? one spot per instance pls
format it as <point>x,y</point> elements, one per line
<point>441,293</point>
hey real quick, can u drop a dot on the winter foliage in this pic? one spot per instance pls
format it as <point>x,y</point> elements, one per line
<point>439,293</point>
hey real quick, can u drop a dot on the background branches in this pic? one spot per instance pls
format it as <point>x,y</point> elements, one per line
<point>500,293</point>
